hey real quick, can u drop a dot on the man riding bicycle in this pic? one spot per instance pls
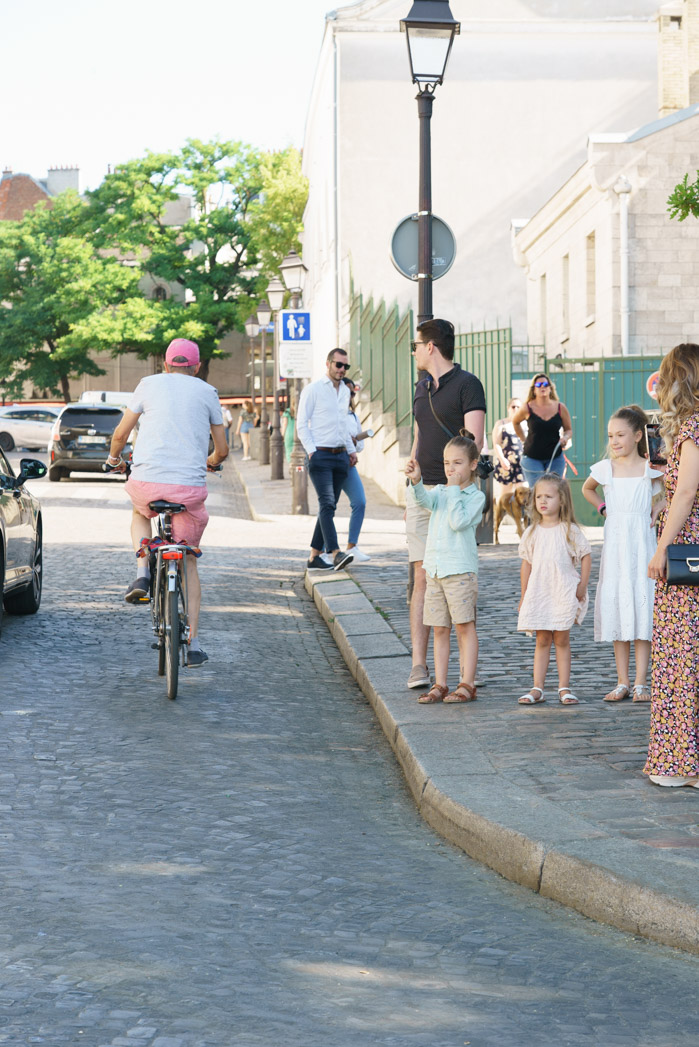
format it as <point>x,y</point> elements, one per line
<point>176,413</point>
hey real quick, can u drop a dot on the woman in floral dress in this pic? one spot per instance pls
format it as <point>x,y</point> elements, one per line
<point>508,450</point>
<point>673,752</point>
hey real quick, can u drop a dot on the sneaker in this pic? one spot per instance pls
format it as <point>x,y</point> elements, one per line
<point>419,677</point>
<point>342,560</point>
<point>319,564</point>
<point>197,657</point>
<point>138,591</point>
<point>359,556</point>
<point>672,781</point>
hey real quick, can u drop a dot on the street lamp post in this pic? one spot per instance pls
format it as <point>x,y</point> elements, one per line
<point>430,30</point>
<point>294,274</point>
<point>252,330</point>
<point>276,292</point>
<point>263,316</point>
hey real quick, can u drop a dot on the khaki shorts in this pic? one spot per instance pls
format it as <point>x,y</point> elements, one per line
<point>451,600</point>
<point>417,522</point>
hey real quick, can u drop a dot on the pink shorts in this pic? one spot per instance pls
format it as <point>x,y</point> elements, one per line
<point>186,527</point>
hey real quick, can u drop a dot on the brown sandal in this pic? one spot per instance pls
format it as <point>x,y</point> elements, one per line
<point>435,694</point>
<point>463,692</point>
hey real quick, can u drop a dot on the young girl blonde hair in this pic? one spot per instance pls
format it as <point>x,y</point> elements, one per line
<point>566,498</point>
<point>678,390</point>
<point>531,394</point>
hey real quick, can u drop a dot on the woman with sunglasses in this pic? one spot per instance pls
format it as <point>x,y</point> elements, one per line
<point>549,430</point>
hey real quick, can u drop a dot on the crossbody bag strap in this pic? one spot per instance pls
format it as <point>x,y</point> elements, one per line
<point>437,419</point>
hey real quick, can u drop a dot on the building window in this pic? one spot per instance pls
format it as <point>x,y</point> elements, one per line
<point>591,270</point>
<point>543,316</point>
<point>565,298</point>
<point>675,22</point>
<point>159,294</point>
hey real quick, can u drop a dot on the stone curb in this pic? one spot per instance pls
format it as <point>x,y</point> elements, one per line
<point>503,824</point>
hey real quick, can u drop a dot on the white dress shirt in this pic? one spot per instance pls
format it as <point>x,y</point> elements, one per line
<point>322,416</point>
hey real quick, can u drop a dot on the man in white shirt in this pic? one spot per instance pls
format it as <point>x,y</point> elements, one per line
<point>177,413</point>
<point>323,431</point>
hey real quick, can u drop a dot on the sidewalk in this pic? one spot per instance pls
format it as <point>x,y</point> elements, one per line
<point>551,797</point>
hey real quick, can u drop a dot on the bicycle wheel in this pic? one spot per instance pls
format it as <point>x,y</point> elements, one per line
<point>172,641</point>
<point>158,609</point>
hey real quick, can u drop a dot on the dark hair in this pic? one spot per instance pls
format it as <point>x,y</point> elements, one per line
<point>328,358</point>
<point>441,334</point>
<point>637,419</point>
<point>350,382</point>
<point>465,442</point>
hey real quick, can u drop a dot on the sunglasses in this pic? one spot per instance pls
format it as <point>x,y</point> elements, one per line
<point>543,384</point>
<point>414,345</point>
<point>345,367</point>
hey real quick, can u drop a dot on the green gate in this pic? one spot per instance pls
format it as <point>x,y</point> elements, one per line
<point>592,390</point>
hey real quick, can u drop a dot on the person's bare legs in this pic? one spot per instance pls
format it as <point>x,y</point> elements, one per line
<point>542,656</point>
<point>442,634</point>
<point>467,638</point>
<point>561,640</point>
<point>419,632</point>
<point>622,654</point>
<point>140,528</point>
<point>640,689</point>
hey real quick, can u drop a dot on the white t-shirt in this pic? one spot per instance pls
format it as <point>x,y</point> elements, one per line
<point>177,412</point>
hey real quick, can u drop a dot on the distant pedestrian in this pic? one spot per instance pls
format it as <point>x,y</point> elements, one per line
<point>624,601</point>
<point>508,450</point>
<point>288,425</point>
<point>451,565</point>
<point>246,422</point>
<point>554,595</point>
<point>673,752</point>
<point>549,430</point>
<point>446,401</point>
<point>324,433</point>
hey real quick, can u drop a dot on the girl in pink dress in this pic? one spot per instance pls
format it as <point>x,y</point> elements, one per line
<point>554,595</point>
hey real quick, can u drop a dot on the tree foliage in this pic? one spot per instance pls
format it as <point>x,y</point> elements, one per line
<point>52,283</point>
<point>684,200</point>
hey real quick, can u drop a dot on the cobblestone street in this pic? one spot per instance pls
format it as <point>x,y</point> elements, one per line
<point>244,867</point>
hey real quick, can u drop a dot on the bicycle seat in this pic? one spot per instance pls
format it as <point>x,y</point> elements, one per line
<point>167,507</point>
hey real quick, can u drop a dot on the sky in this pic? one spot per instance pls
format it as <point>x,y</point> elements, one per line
<point>89,83</point>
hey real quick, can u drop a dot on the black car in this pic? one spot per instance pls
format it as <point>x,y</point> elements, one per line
<point>81,437</point>
<point>20,538</point>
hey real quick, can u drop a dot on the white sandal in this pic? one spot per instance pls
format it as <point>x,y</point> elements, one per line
<point>641,693</point>
<point>529,699</point>
<point>569,698</point>
<point>620,692</point>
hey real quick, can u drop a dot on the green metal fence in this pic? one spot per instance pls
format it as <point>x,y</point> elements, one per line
<point>592,390</point>
<point>380,349</point>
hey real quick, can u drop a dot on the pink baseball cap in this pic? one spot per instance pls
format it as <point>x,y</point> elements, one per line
<point>182,353</point>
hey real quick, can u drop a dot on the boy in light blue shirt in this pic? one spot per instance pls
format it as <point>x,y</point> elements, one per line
<point>451,565</point>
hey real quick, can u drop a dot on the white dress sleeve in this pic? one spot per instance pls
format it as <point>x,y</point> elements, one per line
<point>602,472</point>
<point>578,544</point>
<point>526,545</point>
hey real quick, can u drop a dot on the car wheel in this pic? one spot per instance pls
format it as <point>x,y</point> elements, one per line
<point>56,474</point>
<point>6,442</point>
<point>28,600</point>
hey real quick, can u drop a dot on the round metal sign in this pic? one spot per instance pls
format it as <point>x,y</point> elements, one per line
<point>404,247</point>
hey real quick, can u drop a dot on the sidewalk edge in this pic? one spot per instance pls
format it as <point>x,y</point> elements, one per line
<point>591,889</point>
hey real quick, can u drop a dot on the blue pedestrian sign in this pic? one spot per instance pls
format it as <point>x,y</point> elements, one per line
<point>295,326</point>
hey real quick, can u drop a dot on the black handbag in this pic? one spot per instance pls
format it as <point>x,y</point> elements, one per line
<point>682,565</point>
<point>485,465</point>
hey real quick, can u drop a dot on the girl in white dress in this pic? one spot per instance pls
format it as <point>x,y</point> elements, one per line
<point>554,595</point>
<point>624,601</point>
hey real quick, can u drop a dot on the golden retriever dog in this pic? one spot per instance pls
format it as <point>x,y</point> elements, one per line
<point>512,503</point>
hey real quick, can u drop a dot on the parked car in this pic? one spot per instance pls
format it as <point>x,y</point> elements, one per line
<point>26,425</point>
<point>81,437</point>
<point>20,538</point>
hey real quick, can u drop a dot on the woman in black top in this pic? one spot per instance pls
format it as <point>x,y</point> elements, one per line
<point>550,429</point>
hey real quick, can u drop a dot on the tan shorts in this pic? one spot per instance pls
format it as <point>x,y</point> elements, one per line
<point>417,522</point>
<point>451,600</point>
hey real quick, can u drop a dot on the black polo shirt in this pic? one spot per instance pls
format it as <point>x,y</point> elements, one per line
<point>458,393</point>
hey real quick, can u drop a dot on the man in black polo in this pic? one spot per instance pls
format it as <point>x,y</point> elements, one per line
<point>458,400</point>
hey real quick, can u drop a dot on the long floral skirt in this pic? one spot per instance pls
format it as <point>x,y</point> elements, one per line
<point>674,719</point>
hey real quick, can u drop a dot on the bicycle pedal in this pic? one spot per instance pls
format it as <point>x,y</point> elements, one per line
<point>155,647</point>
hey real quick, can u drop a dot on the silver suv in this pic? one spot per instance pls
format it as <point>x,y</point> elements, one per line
<point>81,437</point>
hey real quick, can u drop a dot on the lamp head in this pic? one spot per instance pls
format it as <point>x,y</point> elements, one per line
<point>430,29</point>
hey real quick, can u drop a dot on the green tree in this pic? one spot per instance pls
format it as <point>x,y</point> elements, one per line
<point>684,200</point>
<point>213,222</point>
<point>53,285</point>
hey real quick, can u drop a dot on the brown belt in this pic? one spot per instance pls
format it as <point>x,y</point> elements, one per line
<point>332,450</point>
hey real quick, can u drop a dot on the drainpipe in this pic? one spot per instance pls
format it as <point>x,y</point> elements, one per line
<point>622,188</point>
<point>336,191</point>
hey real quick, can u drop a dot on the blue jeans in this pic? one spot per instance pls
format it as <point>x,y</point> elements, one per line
<point>328,473</point>
<point>533,468</point>
<point>354,489</point>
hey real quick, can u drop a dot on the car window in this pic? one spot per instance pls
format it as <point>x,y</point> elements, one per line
<point>17,413</point>
<point>81,418</point>
<point>5,467</point>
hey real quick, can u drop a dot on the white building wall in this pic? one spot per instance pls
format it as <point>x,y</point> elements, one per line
<point>524,85</point>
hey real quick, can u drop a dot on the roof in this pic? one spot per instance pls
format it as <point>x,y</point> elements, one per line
<point>19,193</point>
<point>648,129</point>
